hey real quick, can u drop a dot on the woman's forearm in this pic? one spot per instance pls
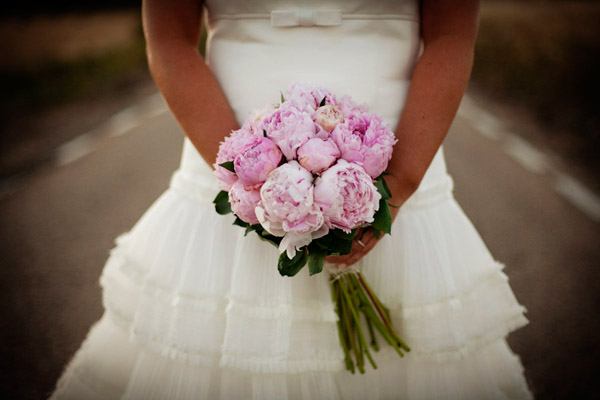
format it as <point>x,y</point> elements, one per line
<point>188,85</point>
<point>438,83</point>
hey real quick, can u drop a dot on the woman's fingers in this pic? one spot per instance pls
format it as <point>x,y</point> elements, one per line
<point>362,244</point>
<point>359,252</point>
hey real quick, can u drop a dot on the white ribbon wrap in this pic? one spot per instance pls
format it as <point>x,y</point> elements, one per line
<point>306,17</point>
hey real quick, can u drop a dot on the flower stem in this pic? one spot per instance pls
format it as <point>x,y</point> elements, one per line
<point>355,333</point>
<point>341,333</point>
<point>356,289</point>
<point>350,298</point>
<point>355,300</point>
<point>348,323</point>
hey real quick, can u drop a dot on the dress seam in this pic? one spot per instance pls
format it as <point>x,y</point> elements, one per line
<point>347,16</point>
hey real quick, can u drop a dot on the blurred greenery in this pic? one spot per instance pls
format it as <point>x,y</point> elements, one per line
<point>545,56</point>
<point>53,83</point>
<point>36,7</point>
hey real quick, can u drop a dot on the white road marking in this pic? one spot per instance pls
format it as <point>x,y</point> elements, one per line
<point>132,117</point>
<point>579,195</point>
<point>486,123</point>
<point>119,124</point>
<point>530,158</point>
<point>525,154</point>
<point>123,121</point>
<point>75,148</point>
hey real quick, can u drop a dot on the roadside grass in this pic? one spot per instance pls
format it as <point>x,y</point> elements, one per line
<point>545,56</point>
<point>54,83</point>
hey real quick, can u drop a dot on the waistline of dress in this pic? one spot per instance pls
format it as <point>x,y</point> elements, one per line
<point>311,17</point>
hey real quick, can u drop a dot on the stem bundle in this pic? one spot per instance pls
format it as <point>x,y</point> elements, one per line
<point>355,301</point>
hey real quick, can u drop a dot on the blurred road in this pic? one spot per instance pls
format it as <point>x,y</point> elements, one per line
<point>57,228</point>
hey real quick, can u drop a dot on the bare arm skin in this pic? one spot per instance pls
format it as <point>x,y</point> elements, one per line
<point>172,32</point>
<point>440,77</point>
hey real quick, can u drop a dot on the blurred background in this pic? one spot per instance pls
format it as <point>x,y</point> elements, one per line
<point>87,145</point>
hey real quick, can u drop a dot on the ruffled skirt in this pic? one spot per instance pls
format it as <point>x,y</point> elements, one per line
<point>195,310</point>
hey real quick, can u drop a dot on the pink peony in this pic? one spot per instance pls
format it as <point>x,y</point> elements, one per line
<point>243,202</point>
<point>317,154</point>
<point>231,146</point>
<point>225,178</point>
<point>348,106</point>
<point>287,207</point>
<point>290,128</point>
<point>347,196</point>
<point>254,123</point>
<point>328,117</point>
<point>306,97</point>
<point>254,163</point>
<point>366,140</point>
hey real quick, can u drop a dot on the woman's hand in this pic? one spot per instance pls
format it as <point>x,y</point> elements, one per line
<point>366,239</point>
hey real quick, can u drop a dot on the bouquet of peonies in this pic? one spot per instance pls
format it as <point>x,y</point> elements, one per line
<point>305,175</point>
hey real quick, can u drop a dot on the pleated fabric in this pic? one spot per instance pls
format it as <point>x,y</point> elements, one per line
<point>195,310</point>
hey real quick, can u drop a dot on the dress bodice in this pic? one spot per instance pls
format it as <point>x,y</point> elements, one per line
<point>366,49</point>
<point>362,48</point>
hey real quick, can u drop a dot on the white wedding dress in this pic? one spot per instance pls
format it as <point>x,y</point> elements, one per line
<point>195,310</point>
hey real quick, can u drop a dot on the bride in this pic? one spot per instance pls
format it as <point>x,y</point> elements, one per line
<point>195,310</point>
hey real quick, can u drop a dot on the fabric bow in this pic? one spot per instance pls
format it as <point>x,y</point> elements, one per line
<point>306,17</point>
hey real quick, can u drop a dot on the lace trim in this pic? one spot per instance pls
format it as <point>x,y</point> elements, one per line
<point>515,320</point>
<point>454,301</point>
<point>317,312</point>
<point>231,361</point>
<point>324,362</point>
<point>475,344</point>
<point>303,311</point>
<point>273,365</point>
<point>277,365</point>
<point>322,312</point>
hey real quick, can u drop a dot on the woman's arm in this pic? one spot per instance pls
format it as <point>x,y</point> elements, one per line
<point>439,80</point>
<point>172,32</point>
<point>440,77</point>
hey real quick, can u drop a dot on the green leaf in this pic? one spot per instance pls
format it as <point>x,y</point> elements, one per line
<point>290,267</point>
<point>383,218</point>
<point>386,187</point>
<point>221,196</point>
<point>382,188</point>
<point>282,98</point>
<point>344,247</point>
<point>315,262</point>
<point>221,202</point>
<point>344,235</point>
<point>266,236</point>
<point>322,103</point>
<point>239,222</point>
<point>223,208</point>
<point>335,242</point>
<point>250,228</point>
<point>228,165</point>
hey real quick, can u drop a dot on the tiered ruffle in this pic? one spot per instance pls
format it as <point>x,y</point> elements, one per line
<point>196,310</point>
